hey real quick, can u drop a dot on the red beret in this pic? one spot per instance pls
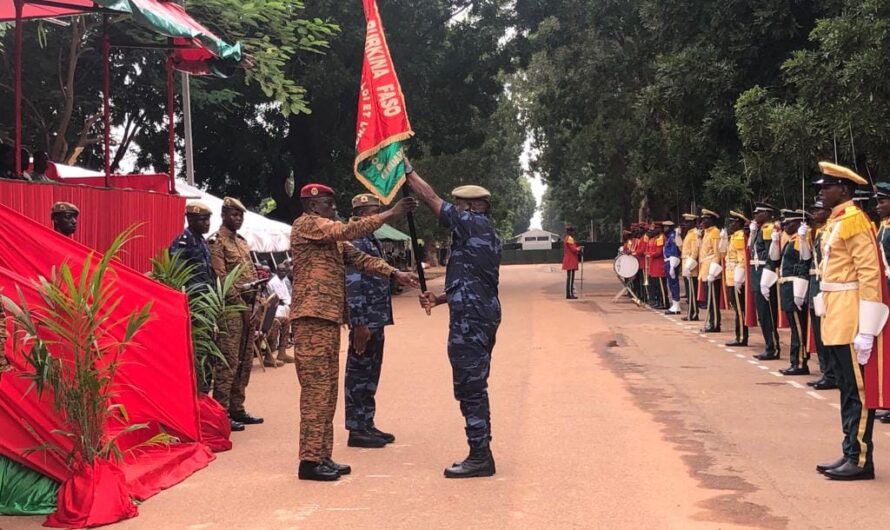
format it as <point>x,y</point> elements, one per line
<point>315,190</point>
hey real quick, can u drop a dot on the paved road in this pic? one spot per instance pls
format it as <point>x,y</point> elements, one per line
<point>606,416</point>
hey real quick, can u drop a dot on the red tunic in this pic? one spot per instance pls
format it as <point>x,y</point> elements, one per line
<point>655,253</point>
<point>570,253</point>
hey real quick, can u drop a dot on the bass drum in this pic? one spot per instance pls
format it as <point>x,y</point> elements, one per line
<point>626,266</point>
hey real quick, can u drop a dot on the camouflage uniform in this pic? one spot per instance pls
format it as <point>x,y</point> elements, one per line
<point>228,250</point>
<point>321,250</point>
<point>471,285</point>
<point>193,249</point>
<point>370,305</point>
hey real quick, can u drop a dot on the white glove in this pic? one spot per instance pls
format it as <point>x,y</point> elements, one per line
<point>799,301</point>
<point>673,273</point>
<point>738,276</point>
<point>803,230</point>
<point>700,232</point>
<point>711,278</point>
<point>764,290</point>
<point>863,344</point>
<point>753,226</point>
<point>776,236</point>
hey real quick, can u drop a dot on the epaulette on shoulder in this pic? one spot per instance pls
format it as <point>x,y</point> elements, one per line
<point>660,240</point>
<point>768,231</point>
<point>853,222</point>
<point>213,237</point>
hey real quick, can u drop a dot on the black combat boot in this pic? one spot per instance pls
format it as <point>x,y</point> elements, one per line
<point>366,439</point>
<point>480,463</point>
<point>343,469</point>
<point>387,437</point>
<point>319,471</point>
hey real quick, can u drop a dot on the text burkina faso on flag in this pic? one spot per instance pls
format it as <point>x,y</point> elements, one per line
<point>382,123</point>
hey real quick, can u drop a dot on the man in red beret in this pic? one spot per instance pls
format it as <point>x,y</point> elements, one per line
<point>321,251</point>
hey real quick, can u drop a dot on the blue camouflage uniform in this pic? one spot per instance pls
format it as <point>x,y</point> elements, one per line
<point>370,304</point>
<point>193,249</point>
<point>671,250</point>
<point>471,286</point>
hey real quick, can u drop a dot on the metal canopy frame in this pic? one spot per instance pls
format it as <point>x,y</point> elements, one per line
<point>107,45</point>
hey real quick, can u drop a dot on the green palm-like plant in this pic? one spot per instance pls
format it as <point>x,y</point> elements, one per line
<point>68,342</point>
<point>208,306</point>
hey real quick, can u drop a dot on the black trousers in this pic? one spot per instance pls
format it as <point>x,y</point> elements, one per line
<point>857,422</point>
<point>655,291</point>
<point>737,302</point>
<point>713,296</point>
<point>827,368</point>
<point>797,319</point>
<point>691,297</point>
<point>768,318</point>
<point>570,284</point>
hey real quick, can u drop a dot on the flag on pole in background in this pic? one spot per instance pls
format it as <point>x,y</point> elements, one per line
<point>382,123</point>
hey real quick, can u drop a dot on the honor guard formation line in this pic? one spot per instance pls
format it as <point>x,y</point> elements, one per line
<point>821,273</point>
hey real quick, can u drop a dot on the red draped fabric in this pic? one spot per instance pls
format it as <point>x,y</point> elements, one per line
<point>155,382</point>
<point>104,213</point>
<point>72,7</point>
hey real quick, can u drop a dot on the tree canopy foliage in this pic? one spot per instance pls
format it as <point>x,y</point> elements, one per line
<point>639,108</point>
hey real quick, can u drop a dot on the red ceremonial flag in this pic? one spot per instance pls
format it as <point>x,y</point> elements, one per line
<point>382,122</point>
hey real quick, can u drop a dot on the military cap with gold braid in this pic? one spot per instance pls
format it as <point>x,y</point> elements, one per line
<point>709,213</point>
<point>64,207</point>
<point>835,174</point>
<point>235,204</point>
<point>789,216</point>
<point>738,216</point>
<point>668,223</point>
<point>365,199</point>
<point>470,193</point>
<point>197,208</point>
<point>690,217</point>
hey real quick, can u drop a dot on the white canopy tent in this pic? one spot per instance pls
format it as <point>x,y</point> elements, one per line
<point>261,233</point>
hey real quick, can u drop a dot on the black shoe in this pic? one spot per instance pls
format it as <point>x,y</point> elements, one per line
<point>387,437</point>
<point>245,418</point>
<point>571,297</point>
<point>737,344</point>
<point>671,312</point>
<point>342,469</point>
<point>822,468</point>
<point>709,329</point>
<point>795,370</point>
<point>317,471</point>
<point>885,419</point>
<point>236,426</point>
<point>850,471</point>
<point>685,319</point>
<point>815,382</point>
<point>767,356</point>
<point>365,439</point>
<point>480,463</point>
<point>825,385</point>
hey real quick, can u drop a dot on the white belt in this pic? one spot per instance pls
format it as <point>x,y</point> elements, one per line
<point>814,272</point>
<point>758,262</point>
<point>831,287</point>
<point>785,280</point>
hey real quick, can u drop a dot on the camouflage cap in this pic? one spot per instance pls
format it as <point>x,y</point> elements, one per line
<point>65,207</point>
<point>365,199</point>
<point>197,208</point>
<point>471,193</point>
<point>231,202</point>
